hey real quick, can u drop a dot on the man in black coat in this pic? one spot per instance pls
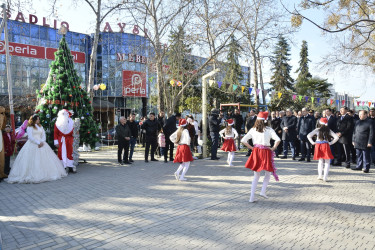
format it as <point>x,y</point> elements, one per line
<point>305,126</point>
<point>372,117</point>
<point>345,126</point>
<point>289,126</point>
<point>123,135</point>
<point>134,128</point>
<point>238,121</point>
<point>332,124</point>
<point>214,125</point>
<point>152,128</point>
<point>275,125</point>
<point>250,121</point>
<point>362,141</point>
<point>169,128</point>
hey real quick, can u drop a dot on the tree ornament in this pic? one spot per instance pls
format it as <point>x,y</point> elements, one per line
<point>179,83</point>
<point>96,87</point>
<point>172,82</point>
<point>48,116</point>
<point>74,87</point>
<point>55,108</point>
<point>82,118</point>
<point>88,132</point>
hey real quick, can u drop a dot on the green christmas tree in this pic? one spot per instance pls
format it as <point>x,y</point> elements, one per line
<point>303,69</point>
<point>63,90</point>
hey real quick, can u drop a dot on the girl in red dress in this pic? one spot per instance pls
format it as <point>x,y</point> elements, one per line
<point>229,134</point>
<point>262,154</point>
<point>322,147</point>
<point>183,154</point>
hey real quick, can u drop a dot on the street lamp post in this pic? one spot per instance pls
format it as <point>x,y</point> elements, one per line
<point>204,111</point>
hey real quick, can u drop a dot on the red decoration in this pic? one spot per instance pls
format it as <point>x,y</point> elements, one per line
<point>77,104</point>
<point>88,132</point>
<point>89,101</point>
<point>74,87</point>
<point>81,96</point>
<point>57,102</point>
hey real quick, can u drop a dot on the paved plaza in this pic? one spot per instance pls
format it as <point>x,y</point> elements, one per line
<point>142,206</point>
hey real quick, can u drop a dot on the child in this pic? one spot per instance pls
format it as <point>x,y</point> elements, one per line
<point>161,142</point>
<point>183,154</point>
<point>261,157</point>
<point>322,150</point>
<point>9,143</point>
<point>229,134</point>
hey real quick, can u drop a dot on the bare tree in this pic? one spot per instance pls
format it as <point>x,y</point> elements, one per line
<point>261,22</point>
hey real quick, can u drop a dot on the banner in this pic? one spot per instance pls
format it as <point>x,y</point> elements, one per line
<point>294,97</point>
<point>250,89</point>
<point>219,84</point>
<point>257,91</point>
<point>134,83</point>
<point>279,94</point>
<point>242,89</point>
<point>235,87</point>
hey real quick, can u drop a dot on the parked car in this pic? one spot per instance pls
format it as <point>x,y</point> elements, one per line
<point>109,137</point>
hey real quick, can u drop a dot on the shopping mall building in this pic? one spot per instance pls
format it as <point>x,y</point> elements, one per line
<point>121,56</point>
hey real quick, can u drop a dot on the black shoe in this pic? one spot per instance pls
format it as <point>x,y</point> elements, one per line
<point>248,154</point>
<point>347,166</point>
<point>308,160</point>
<point>121,163</point>
<point>165,161</point>
<point>127,162</point>
<point>302,159</point>
<point>146,160</point>
<point>366,171</point>
<point>357,169</point>
<point>337,164</point>
<point>170,159</point>
<point>283,157</point>
<point>294,158</point>
<point>154,159</point>
<point>130,160</point>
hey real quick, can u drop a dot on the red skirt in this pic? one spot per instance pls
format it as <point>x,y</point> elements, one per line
<point>183,154</point>
<point>260,159</point>
<point>322,151</point>
<point>229,146</point>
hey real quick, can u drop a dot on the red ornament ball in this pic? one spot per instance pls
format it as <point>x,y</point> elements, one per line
<point>74,87</point>
<point>89,101</point>
<point>70,95</point>
<point>88,132</point>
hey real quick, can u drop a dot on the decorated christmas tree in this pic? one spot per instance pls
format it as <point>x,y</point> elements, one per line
<point>63,90</point>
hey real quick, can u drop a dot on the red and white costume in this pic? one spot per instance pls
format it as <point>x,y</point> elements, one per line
<point>183,154</point>
<point>261,157</point>
<point>63,136</point>
<point>229,145</point>
<point>322,149</point>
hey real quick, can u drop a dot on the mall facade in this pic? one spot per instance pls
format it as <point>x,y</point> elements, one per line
<point>122,60</point>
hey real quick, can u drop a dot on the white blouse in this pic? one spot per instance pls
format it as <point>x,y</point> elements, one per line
<point>261,138</point>
<point>316,132</point>
<point>233,134</point>
<point>185,137</point>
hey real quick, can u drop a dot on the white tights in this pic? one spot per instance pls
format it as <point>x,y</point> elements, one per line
<point>267,176</point>
<point>326,164</point>
<point>230,158</point>
<point>184,167</point>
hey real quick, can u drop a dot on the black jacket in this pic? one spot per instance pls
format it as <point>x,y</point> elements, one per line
<point>345,126</point>
<point>250,122</point>
<point>306,124</point>
<point>238,121</point>
<point>133,126</point>
<point>122,131</point>
<point>214,123</point>
<point>170,126</point>
<point>291,123</point>
<point>151,127</point>
<point>332,123</point>
<point>275,125</point>
<point>161,121</point>
<point>363,133</point>
<point>373,127</point>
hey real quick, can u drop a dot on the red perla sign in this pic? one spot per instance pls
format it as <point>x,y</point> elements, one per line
<point>134,83</point>
<point>25,50</point>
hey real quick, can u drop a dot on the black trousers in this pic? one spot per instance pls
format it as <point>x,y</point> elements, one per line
<point>305,149</point>
<point>7,165</point>
<point>151,141</point>
<point>343,153</point>
<point>169,146</point>
<point>123,145</point>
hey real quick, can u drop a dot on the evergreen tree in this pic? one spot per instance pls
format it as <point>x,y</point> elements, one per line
<point>303,69</point>
<point>181,67</point>
<point>281,79</point>
<point>63,90</point>
<point>233,74</point>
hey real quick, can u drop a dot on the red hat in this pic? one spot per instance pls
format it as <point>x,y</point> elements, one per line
<point>69,113</point>
<point>230,122</point>
<point>182,123</point>
<point>323,121</point>
<point>262,116</point>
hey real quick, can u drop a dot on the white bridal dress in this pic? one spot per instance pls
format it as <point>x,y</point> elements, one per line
<point>34,164</point>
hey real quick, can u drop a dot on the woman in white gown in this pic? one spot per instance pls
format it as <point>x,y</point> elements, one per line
<point>36,162</point>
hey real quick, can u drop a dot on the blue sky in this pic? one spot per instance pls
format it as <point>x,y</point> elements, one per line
<point>354,81</point>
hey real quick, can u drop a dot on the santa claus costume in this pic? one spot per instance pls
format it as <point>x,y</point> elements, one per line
<point>262,155</point>
<point>322,144</point>
<point>229,134</point>
<point>63,139</point>
<point>183,154</point>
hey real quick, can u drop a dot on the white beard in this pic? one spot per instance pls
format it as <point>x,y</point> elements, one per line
<point>64,124</point>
